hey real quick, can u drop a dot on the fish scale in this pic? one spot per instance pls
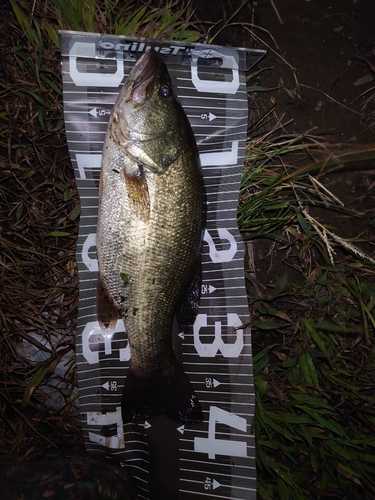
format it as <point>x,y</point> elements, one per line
<point>155,288</point>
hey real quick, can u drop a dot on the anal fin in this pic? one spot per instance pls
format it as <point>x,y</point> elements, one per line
<point>106,311</point>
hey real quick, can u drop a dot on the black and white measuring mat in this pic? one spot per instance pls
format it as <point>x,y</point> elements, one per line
<point>216,458</point>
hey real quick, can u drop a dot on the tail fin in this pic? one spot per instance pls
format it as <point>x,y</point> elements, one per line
<point>166,392</point>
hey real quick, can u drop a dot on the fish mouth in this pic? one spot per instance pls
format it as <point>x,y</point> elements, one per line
<point>145,69</point>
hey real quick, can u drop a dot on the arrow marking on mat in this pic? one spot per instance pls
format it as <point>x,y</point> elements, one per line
<point>94,112</point>
<point>181,429</point>
<point>207,289</point>
<point>208,116</point>
<point>215,484</point>
<point>98,112</point>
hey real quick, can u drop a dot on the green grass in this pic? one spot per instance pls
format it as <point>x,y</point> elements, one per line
<point>315,410</point>
<point>134,18</point>
<point>39,23</point>
<point>313,322</point>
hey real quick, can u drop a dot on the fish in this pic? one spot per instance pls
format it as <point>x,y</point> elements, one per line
<point>149,237</point>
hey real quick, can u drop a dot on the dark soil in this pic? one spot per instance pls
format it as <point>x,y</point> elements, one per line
<point>318,50</point>
<point>328,46</point>
<point>321,66</point>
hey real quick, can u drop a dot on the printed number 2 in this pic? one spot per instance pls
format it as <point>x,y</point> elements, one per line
<point>222,255</point>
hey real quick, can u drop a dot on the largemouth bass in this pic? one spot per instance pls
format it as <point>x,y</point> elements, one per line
<point>149,237</point>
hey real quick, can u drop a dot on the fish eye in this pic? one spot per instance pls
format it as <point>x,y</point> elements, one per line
<point>165,91</point>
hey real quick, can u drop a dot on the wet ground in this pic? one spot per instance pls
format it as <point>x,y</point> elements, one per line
<point>327,47</point>
<point>320,54</point>
<point>321,67</point>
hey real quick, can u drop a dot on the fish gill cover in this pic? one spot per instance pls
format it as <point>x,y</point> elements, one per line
<point>216,457</point>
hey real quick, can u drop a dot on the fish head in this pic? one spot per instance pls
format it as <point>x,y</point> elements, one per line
<point>147,121</point>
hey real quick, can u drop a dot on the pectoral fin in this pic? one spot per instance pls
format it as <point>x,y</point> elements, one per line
<point>137,189</point>
<point>106,311</point>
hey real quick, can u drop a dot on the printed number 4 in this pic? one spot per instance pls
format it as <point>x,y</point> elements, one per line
<point>213,446</point>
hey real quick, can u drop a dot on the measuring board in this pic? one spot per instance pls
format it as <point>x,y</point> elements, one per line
<point>216,458</point>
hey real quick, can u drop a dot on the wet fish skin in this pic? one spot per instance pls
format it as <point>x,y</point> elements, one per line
<point>149,237</point>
